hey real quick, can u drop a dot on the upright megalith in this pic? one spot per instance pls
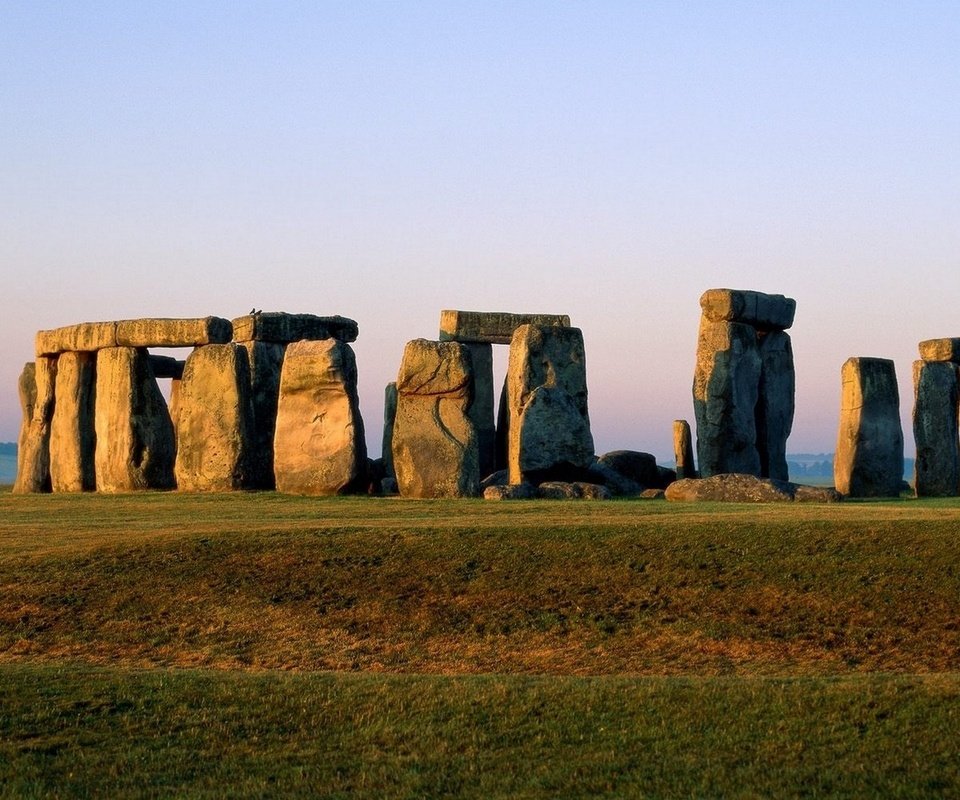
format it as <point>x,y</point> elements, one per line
<point>935,428</point>
<point>265,360</point>
<point>389,417</point>
<point>481,409</point>
<point>319,445</point>
<point>214,425</point>
<point>435,448</point>
<point>72,431</point>
<point>683,449</point>
<point>134,435</point>
<point>549,425</point>
<point>743,386</point>
<point>37,399</point>
<point>869,457</point>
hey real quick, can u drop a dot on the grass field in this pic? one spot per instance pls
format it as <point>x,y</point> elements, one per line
<point>260,644</point>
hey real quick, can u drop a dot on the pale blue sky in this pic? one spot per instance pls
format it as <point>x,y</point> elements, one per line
<point>387,160</point>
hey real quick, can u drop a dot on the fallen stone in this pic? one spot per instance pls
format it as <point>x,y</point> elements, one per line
<point>762,311</point>
<point>162,332</point>
<point>775,404</point>
<point>522,491</point>
<point>319,446</point>
<point>85,337</point>
<point>935,431</point>
<point>739,488</point>
<point>576,490</point>
<point>435,448</point>
<point>37,395</point>
<point>683,449</point>
<point>940,350</point>
<point>653,494</point>
<point>725,394</point>
<point>135,443</point>
<point>869,458</point>
<point>500,477</point>
<point>619,485</point>
<point>491,327</point>
<point>265,360</point>
<point>389,415</point>
<point>73,427</point>
<point>641,468</point>
<point>215,424</point>
<point>282,328</point>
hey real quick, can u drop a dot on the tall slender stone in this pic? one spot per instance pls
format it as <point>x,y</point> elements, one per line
<point>683,449</point>
<point>389,417</point>
<point>869,457</point>
<point>319,446</point>
<point>37,396</point>
<point>726,388</point>
<point>935,428</point>
<point>265,360</point>
<point>72,431</point>
<point>135,443</point>
<point>481,409</point>
<point>215,422</point>
<point>775,403</point>
<point>435,448</point>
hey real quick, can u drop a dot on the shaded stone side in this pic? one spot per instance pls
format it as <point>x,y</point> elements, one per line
<point>215,420</point>
<point>762,311</point>
<point>435,447</point>
<point>491,327</point>
<point>389,416</point>
<point>319,443</point>
<point>935,429</point>
<point>282,328</point>
<point>265,360</point>
<point>869,457</point>
<point>775,403</point>
<point>481,409</point>
<point>134,435</point>
<point>683,449</point>
<point>73,437</point>
<point>37,396</point>
<point>725,392</point>
<point>549,425</point>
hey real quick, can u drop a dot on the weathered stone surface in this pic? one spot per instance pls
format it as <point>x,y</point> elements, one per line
<point>499,478</point>
<point>940,350</point>
<point>573,490</point>
<point>169,332</point>
<point>215,420</point>
<point>166,367</point>
<point>639,467</point>
<point>319,446</point>
<point>85,337</point>
<point>775,405</point>
<point>653,494</point>
<point>135,445</point>
<point>265,360</point>
<point>492,327</point>
<point>37,396</point>
<point>667,476</point>
<point>481,410</point>
<point>502,436</point>
<point>869,457</point>
<point>435,448</point>
<point>522,491</point>
<point>72,431</point>
<point>282,328</point>
<point>762,311</point>
<point>549,427</point>
<point>739,488</point>
<point>619,485</point>
<point>725,393</point>
<point>683,449</point>
<point>389,415</point>
<point>936,399</point>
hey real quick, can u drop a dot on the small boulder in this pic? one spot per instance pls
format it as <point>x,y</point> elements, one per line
<point>519,491</point>
<point>741,488</point>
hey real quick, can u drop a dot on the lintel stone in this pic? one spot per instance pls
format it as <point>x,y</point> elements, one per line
<point>282,328</point>
<point>491,327</point>
<point>940,350</point>
<point>762,311</point>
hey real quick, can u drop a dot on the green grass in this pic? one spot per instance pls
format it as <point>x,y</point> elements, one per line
<point>255,644</point>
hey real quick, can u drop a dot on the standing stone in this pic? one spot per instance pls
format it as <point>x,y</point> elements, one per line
<point>775,405</point>
<point>265,360</point>
<point>135,445</point>
<point>869,457</point>
<point>502,436</point>
<point>319,446</point>
<point>389,417</point>
<point>935,429</point>
<point>683,449</point>
<point>725,393</point>
<point>549,426</point>
<point>481,410</point>
<point>435,448</point>
<point>215,422</point>
<point>37,397</point>
<point>72,432</point>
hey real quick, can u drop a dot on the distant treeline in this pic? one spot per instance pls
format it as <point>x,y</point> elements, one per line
<point>8,448</point>
<point>805,465</point>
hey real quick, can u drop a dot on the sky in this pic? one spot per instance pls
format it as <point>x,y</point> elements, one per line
<point>387,160</point>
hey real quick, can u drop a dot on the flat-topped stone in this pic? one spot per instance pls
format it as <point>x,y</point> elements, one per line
<point>940,350</point>
<point>491,327</point>
<point>282,328</point>
<point>148,332</point>
<point>762,311</point>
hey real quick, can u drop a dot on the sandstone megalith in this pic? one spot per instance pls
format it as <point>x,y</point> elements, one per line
<point>683,449</point>
<point>214,424</point>
<point>265,362</point>
<point>435,448</point>
<point>869,456</point>
<point>549,426</point>
<point>73,428</point>
<point>134,436</point>
<point>491,327</point>
<point>37,396</point>
<point>935,428</point>
<point>319,446</point>
<point>389,417</point>
<point>775,403</point>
